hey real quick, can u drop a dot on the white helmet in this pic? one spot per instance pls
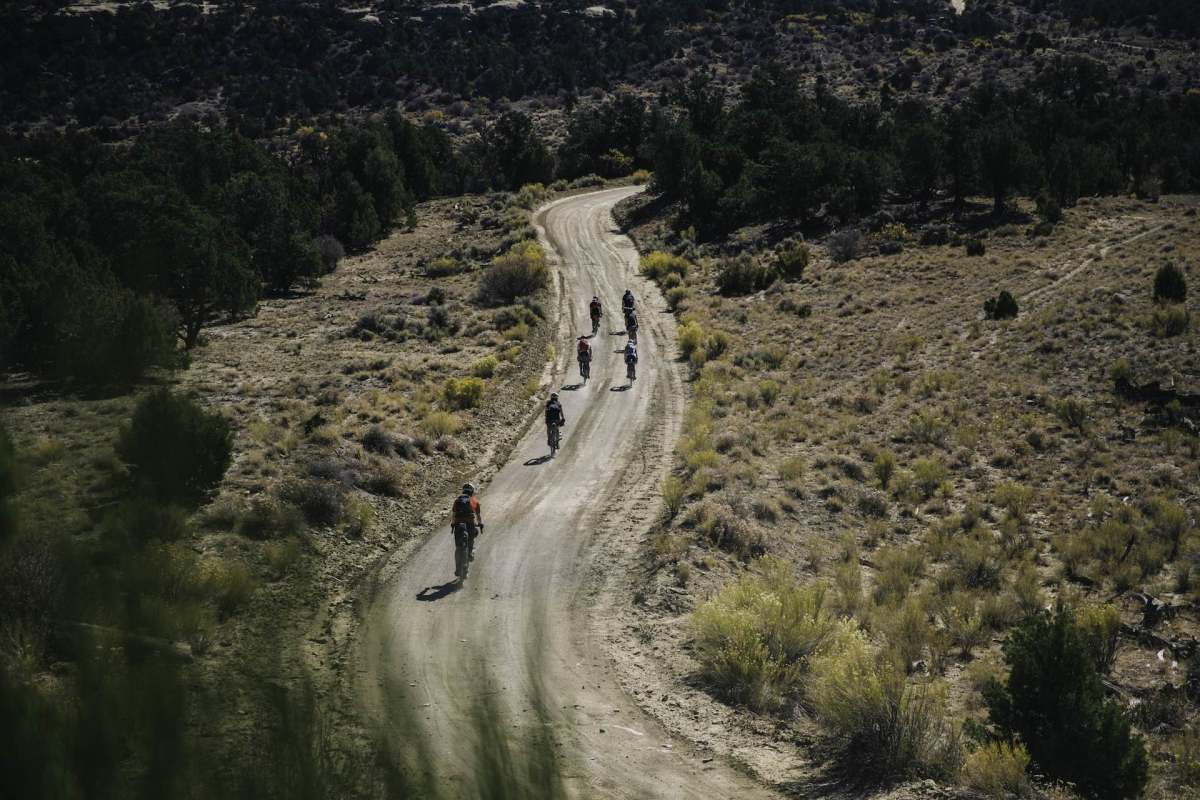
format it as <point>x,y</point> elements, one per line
<point>468,488</point>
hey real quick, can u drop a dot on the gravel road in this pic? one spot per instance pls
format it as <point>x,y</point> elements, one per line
<point>512,657</point>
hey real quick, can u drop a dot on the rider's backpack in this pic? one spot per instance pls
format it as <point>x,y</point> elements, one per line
<point>462,507</point>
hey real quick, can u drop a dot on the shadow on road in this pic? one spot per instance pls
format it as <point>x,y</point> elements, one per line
<point>623,388</point>
<point>431,593</point>
<point>569,387</point>
<point>535,462</point>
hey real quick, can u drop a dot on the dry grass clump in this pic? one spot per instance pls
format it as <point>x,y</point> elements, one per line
<point>441,423</point>
<point>667,270</point>
<point>885,725</point>
<point>484,367</point>
<point>757,636</point>
<point>463,393</point>
<point>520,272</point>
<point>270,518</point>
<point>729,531</point>
<point>998,770</point>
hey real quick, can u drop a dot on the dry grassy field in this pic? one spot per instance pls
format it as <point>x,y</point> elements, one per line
<point>936,474</point>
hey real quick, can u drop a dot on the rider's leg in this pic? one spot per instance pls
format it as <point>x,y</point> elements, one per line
<point>472,532</point>
<point>460,552</point>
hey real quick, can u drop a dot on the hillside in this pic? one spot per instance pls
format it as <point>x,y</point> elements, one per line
<point>899,499</point>
<point>942,474</point>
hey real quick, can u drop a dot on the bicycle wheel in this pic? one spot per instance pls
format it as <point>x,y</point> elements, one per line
<point>462,555</point>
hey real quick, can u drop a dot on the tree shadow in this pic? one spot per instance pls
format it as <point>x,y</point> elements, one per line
<point>431,593</point>
<point>537,462</point>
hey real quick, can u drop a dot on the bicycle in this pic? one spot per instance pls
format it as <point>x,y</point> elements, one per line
<point>631,371</point>
<point>585,369</point>
<point>595,325</point>
<point>552,437</point>
<point>463,551</point>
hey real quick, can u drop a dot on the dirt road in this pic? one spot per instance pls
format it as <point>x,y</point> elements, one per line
<point>512,656</point>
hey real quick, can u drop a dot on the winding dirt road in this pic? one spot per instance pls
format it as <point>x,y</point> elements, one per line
<point>503,686</point>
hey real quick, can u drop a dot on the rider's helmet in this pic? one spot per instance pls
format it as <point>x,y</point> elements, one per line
<point>595,297</point>
<point>468,488</point>
<point>554,395</point>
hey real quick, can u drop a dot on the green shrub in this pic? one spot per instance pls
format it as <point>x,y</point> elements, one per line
<point>742,274</point>
<point>282,557</point>
<point>460,393</point>
<point>1003,306</point>
<point>174,448</point>
<point>1170,286</point>
<point>521,272</point>
<point>639,176</point>
<point>230,585</point>
<point>484,367</point>
<point>1121,371</point>
<point>443,266</point>
<point>1100,627</point>
<point>755,638</point>
<point>885,467</point>
<point>1048,209</point>
<point>899,571</point>
<point>928,476</point>
<point>268,518</point>
<point>1170,524</point>
<point>928,428</point>
<point>1014,498</point>
<point>675,297</point>
<point>1054,700</point>
<point>1073,412</point>
<point>729,531</point>
<point>531,194</point>
<point>657,266</point>
<point>322,502</point>
<point>441,423</point>
<point>1170,321</point>
<point>844,245</point>
<point>792,468</point>
<point>672,492</point>
<point>690,336</point>
<point>997,770</point>
<point>791,260</point>
<point>885,727</point>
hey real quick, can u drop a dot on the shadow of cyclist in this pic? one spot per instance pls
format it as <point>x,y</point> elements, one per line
<point>432,593</point>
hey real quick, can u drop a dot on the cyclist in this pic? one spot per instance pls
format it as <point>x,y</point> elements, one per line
<point>583,354</point>
<point>555,419</point>
<point>631,358</point>
<point>631,324</point>
<point>466,522</point>
<point>627,301</point>
<point>595,310</point>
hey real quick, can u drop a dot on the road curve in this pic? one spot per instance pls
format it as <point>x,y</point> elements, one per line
<point>512,652</point>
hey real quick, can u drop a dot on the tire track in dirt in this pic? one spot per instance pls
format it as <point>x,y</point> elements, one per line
<point>519,637</point>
